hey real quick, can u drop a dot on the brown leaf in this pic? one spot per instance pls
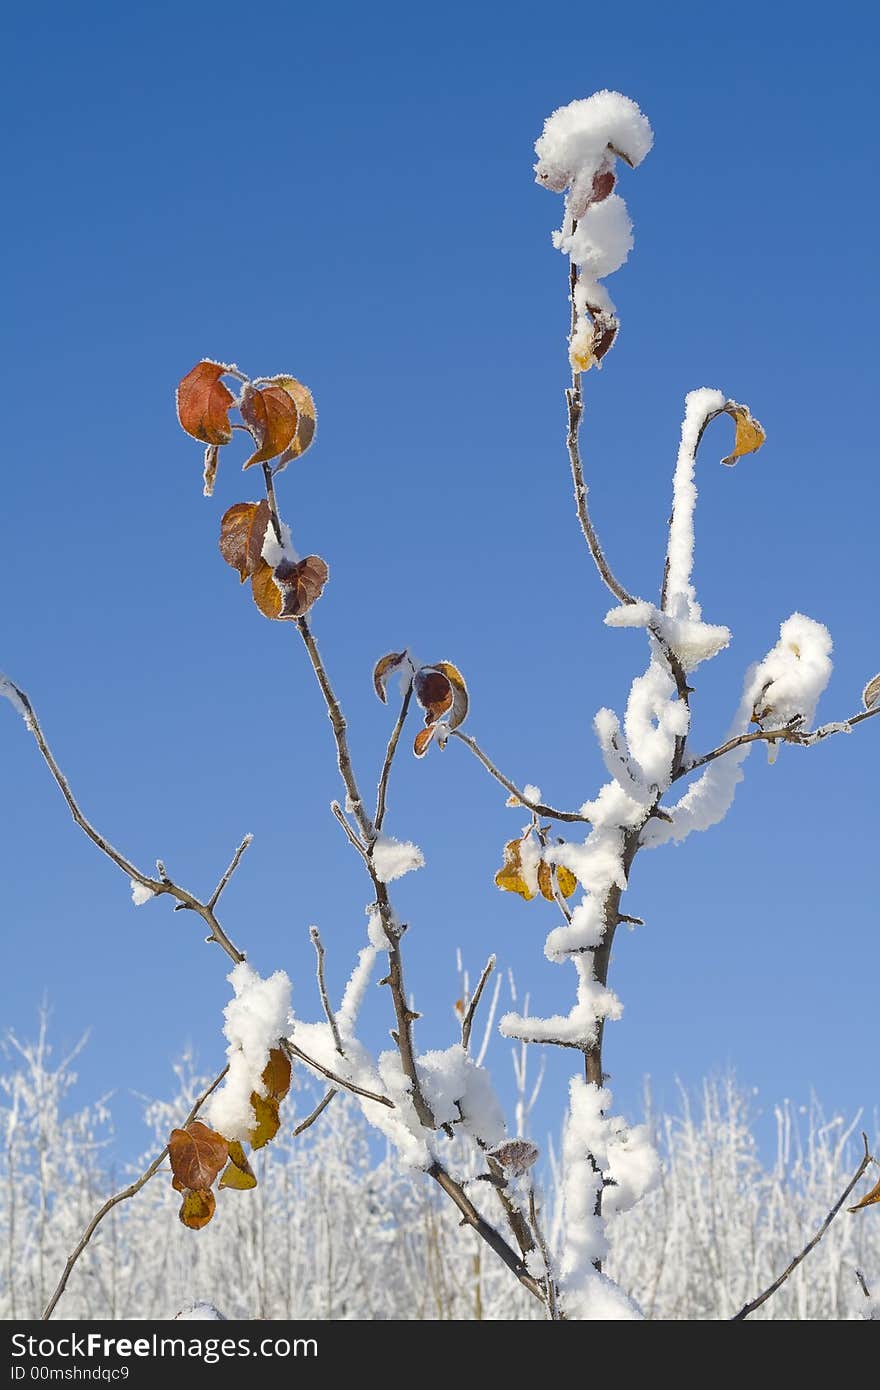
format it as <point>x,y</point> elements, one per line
<point>869,1199</point>
<point>382,671</point>
<point>238,1173</point>
<point>434,692</point>
<point>301,583</point>
<point>209,471</point>
<point>198,1208</point>
<point>458,712</point>
<point>267,595</point>
<point>749,435</point>
<point>509,877</point>
<point>516,1156</point>
<point>871,693</point>
<point>242,534</point>
<point>422,740</point>
<point>197,1154</point>
<point>270,414</point>
<point>268,1120</point>
<point>603,184</point>
<point>307,419</point>
<point>276,1074</point>
<point>203,403</point>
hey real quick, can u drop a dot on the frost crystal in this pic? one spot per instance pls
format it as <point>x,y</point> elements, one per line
<point>394,858</point>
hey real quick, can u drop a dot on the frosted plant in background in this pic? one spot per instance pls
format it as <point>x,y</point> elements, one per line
<point>438,1112</point>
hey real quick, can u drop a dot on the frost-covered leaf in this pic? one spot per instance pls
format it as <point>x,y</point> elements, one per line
<point>276,1075</point>
<point>422,740</point>
<point>301,583</point>
<point>870,1199</point>
<point>242,534</point>
<point>459,708</point>
<point>383,670</point>
<point>197,1154</point>
<point>197,1209</point>
<point>434,692</point>
<point>516,1156</point>
<point>271,415</point>
<point>203,403</point>
<point>564,878</point>
<point>268,1121</point>
<point>289,590</point>
<point>871,693</point>
<point>306,423</point>
<point>749,436</point>
<point>238,1173</point>
<point>510,877</point>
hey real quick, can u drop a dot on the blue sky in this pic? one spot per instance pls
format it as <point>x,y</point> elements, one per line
<point>346,194</point>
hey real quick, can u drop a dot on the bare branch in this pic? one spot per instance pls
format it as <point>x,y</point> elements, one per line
<point>749,1308</point>
<point>337,720</point>
<point>353,839</point>
<point>156,886</point>
<point>803,738</point>
<point>322,989</point>
<point>552,1303</point>
<point>467,1022</point>
<point>338,1081</point>
<point>118,1197</point>
<point>493,1238</point>
<point>538,807</point>
<point>382,795</point>
<point>318,1111</point>
<point>236,860</point>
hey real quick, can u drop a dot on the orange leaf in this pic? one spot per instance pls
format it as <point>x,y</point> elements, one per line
<point>422,740</point>
<point>198,1208</point>
<point>267,595</point>
<point>267,1118</point>
<point>565,881</point>
<point>238,1173</point>
<point>197,1154</point>
<point>242,533</point>
<point>458,712</point>
<point>301,583</point>
<point>434,692</point>
<point>276,1074</point>
<point>750,433</point>
<point>270,414</point>
<point>203,403</point>
<point>382,671</point>
<point>509,877</point>
<point>307,419</point>
<point>869,1199</point>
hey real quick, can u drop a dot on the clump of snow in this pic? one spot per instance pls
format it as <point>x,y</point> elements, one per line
<point>579,1027</point>
<point>794,674</point>
<point>353,997</point>
<point>257,1016</point>
<point>457,1089</point>
<point>532,793</point>
<point>274,552</point>
<point>633,1166</point>
<point>394,858</point>
<point>681,599</point>
<point>140,893</point>
<point>199,1312</point>
<point>692,640</point>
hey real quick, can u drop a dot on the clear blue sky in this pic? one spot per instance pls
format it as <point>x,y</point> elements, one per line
<point>346,193</point>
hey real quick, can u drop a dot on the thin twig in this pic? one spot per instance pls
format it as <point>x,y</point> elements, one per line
<point>493,1238</point>
<point>863,1285</point>
<point>467,1022</point>
<point>538,807</point>
<point>273,505</point>
<point>156,886</point>
<point>236,860</point>
<point>322,989</point>
<point>744,1312</point>
<point>318,1110</point>
<point>552,1302</point>
<point>337,721</point>
<point>787,734</point>
<point>382,795</point>
<point>339,1081</point>
<point>118,1197</point>
<point>340,816</point>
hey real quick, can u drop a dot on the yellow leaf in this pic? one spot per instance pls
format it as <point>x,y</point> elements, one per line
<point>198,1208</point>
<point>238,1173</point>
<point>276,1074</point>
<point>510,878</point>
<point>265,1110</point>
<point>566,881</point>
<point>750,433</point>
<point>869,1199</point>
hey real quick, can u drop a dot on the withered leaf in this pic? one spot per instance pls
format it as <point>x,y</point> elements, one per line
<point>516,1156</point>
<point>301,583</point>
<point>242,534</point>
<point>459,708</point>
<point>564,878</point>
<point>422,740</point>
<point>267,595</point>
<point>869,1200</point>
<point>434,692</point>
<point>238,1173</point>
<point>271,415</point>
<point>307,419</point>
<point>197,1209</point>
<point>197,1154</point>
<point>276,1074</point>
<point>603,184</point>
<point>510,878</point>
<point>203,403</point>
<point>268,1121</point>
<point>871,693</point>
<point>749,435</point>
<point>382,671</point>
